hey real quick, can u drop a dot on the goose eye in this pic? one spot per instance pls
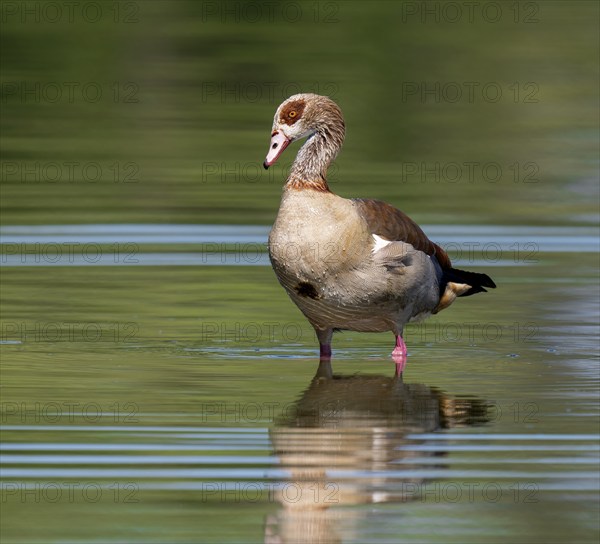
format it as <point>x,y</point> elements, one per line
<point>292,114</point>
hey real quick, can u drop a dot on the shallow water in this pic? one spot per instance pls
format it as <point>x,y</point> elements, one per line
<point>164,398</point>
<point>246,245</point>
<point>157,383</point>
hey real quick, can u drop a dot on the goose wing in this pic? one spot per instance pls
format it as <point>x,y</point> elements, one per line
<point>391,224</point>
<point>387,222</point>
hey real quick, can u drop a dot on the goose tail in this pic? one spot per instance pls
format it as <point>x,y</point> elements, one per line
<point>476,281</point>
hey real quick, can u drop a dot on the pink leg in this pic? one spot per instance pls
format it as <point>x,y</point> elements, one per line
<point>399,354</point>
<point>324,337</point>
<point>325,351</point>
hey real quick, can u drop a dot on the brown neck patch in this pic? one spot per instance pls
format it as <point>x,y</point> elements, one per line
<point>314,185</point>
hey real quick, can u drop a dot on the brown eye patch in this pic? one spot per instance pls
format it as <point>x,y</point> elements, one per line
<point>292,112</point>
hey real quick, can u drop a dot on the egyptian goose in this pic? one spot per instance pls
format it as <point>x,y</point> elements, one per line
<point>351,264</point>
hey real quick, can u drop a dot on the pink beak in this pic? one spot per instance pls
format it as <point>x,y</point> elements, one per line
<point>278,143</point>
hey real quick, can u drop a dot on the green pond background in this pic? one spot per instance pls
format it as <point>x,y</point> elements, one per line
<point>184,93</point>
<point>178,136</point>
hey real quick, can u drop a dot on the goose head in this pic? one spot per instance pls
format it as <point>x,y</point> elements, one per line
<point>305,115</point>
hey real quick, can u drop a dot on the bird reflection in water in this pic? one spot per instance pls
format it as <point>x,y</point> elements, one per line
<point>342,445</point>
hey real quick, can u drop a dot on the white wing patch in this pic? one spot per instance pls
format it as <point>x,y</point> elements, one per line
<point>380,243</point>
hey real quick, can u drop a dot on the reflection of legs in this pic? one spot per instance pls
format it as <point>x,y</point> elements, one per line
<point>324,369</point>
<point>399,354</point>
<point>324,337</point>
